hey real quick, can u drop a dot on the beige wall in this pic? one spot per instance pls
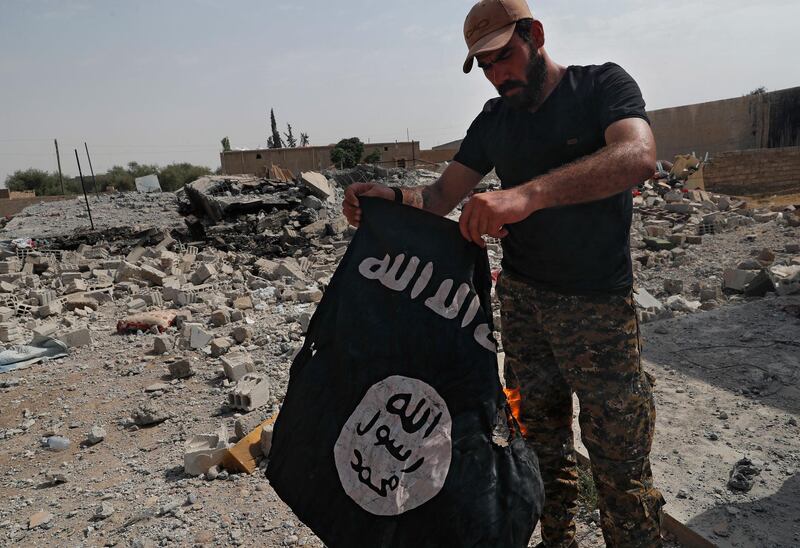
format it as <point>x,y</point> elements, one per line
<point>769,120</point>
<point>316,158</point>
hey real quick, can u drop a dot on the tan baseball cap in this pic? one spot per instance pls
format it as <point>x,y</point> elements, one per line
<point>490,25</point>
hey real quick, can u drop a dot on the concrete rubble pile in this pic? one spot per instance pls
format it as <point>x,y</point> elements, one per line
<point>204,316</point>
<point>672,223</point>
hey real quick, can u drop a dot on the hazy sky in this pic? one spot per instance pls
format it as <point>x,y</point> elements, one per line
<point>164,81</point>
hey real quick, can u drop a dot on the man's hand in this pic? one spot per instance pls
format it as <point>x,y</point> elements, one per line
<point>351,207</point>
<point>489,212</point>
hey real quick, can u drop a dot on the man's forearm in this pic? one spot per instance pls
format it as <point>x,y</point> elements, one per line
<point>427,197</point>
<point>610,170</point>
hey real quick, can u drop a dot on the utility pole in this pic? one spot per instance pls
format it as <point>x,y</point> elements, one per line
<point>94,181</point>
<point>58,159</point>
<point>85,197</point>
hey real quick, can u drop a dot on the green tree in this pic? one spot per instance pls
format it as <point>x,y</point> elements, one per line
<point>347,152</point>
<point>291,142</point>
<point>41,182</point>
<point>304,139</point>
<point>226,144</point>
<point>174,176</point>
<point>373,157</point>
<point>274,141</point>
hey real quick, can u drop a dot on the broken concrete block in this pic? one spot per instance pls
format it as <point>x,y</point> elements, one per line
<point>337,226</point>
<point>45,330</point>
<point>152,275</point>
<point>760,285</point>
<point>317,228</point>
<point>786,279</point>
<point>203,273</point>
<point>10,333</point>
<point>75,339</point>
<point>180,369</point>
<point>680,207</point>
<point>198,338</point>
<point>645,300</point>
<point>765,217</point>
<point>203,452</point>
<point>289,268</point>
<point>658,244</point>
<point>220,318</point>
<point>243,303</point>
<point>136,304</point>
<point>267,269</point>
<point>162,344</point>
<point>135,254</point>
<point>266,439</point>
<point>75,286</point>
<point>317,184</point>
<point>51,309</point>
<point>241,334</point>
<point>736,279</point>
<point>250,392</point>
<point>237,365</point>
<point>80,300</point>
<point>6,314</point>
<point>220,346</point>
<point>679,304</point>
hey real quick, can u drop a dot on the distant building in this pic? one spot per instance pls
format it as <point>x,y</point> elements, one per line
<point>313,158</point>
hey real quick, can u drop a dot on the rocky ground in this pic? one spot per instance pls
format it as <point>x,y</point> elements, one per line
<point>244,290</point>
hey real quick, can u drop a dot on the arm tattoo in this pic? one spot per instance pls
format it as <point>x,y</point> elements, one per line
<point>418,196</point>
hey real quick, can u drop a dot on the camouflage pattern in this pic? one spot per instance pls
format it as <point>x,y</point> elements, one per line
<point>559,344</point>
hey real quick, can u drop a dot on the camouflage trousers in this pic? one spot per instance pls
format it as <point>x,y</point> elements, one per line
<point>556,345</point>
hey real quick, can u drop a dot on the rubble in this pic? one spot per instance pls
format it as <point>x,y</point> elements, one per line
<point>250,392</point>
<point>195,319</point>
<point>203,452</point>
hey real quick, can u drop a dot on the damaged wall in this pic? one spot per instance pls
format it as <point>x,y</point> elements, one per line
<point>767,120</point>
<point>757,171</point>
<point>315,158</point>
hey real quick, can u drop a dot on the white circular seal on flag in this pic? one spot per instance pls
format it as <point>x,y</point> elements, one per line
<point>394,452</point>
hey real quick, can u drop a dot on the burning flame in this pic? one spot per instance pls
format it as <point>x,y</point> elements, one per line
<point>515,402</point>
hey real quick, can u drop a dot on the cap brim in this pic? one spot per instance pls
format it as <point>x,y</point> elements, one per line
<point>492,41</point>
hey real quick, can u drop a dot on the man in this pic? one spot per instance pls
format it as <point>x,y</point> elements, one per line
<point>567,143</point>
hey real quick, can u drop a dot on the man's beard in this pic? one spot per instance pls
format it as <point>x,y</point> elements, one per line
<point>531,93</point>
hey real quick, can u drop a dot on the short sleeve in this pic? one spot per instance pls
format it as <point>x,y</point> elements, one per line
<point>472,152</point>
<point>617,96</point>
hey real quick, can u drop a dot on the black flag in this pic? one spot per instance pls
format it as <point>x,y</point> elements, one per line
<point>395,431</point>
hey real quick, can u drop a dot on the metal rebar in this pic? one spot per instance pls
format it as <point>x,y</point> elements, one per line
<point>83,186</point>
<point>58,159</point>
<point>91,169</point>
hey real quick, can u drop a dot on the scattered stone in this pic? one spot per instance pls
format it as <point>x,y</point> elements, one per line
<point>39,519</point>
<point>95,435</point>
<point>242,333</point>
<point>220,346</point>
<point>162,344</point>
<point>104,511</point>
<point>673,287</point>
<point>741,477</point>
<point>180,369</point>
<point>237,365</point>
<point>149,414</point>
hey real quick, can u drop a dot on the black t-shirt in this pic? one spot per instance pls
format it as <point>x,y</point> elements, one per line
<point>576,249</point>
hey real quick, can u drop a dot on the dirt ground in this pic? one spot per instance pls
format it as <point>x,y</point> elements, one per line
<point>728,386</point>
